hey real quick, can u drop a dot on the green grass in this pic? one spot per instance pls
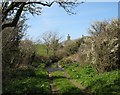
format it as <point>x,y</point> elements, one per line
<point>102,84</point>
<point>22,84</point>
<point>63,85</point>
<point>41,50</point>
<point>106,83</point>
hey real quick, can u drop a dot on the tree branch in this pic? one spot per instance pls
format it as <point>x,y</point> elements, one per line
<point>44,4</point>
<point>11,7</point>
<point>21,6</point>
<point>16,18</point>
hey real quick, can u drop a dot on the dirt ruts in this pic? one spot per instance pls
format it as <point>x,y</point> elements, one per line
<point>54,90</point>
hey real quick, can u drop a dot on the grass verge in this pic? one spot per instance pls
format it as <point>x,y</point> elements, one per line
<point>106,83</point>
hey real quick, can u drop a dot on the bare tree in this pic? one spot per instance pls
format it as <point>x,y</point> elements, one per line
<point>46,37</point>
<point>51,40</point>
<point>15,9</point>
<point>54,45</point>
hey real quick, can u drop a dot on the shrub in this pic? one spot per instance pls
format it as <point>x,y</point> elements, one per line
<point>102,48</point>
<point>64,62</point>
<point>71,47</point>
<point>106,45</point>
<point>61,53</point>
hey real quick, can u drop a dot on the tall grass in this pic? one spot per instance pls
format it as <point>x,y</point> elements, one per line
<point>106,83</point>
<point>32,82</point>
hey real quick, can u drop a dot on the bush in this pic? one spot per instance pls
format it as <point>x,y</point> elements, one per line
<point>71,47</point>
<point>102,48</point>
<point>61,53</point>
<point>64,62</point>
<point>106,46</point>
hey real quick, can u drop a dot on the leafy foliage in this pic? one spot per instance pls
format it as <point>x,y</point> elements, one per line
<point>102,48</point>
<point>103,83</point>
<point>31,81</point>
<point>64,62</point>
<point>11,38</point>
<point>70,47</point>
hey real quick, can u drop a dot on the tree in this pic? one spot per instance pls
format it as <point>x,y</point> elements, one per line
<point>10,43</point>
<point>54,45</point>
<point>15,9</point>
<point>51,40</point>
<point>11,38</point>
<point>46,37</point>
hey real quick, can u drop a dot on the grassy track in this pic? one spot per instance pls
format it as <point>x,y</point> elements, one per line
<point>35,81</point>
<point>63,84</point>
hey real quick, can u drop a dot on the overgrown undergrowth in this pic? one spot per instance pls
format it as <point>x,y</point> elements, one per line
<point>21,83</point>
<point>106,83</point>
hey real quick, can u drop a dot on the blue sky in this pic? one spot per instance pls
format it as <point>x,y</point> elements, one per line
<point>57,20</point>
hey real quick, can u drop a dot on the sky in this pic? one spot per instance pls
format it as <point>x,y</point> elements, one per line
<point>57,20</point>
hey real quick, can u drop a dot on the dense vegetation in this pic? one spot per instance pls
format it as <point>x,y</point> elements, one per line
<point>28,82</point>
<point>88,66</point>
<point>101,84</point>
<point>91,62</point>
<point>102,48</point>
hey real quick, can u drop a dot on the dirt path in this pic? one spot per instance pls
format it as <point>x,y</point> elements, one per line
<point>85,92</point>
<point>54,90</point>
